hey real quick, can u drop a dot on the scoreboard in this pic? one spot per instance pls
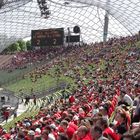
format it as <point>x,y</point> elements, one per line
<point>73,38</point>
<point>47,37</point>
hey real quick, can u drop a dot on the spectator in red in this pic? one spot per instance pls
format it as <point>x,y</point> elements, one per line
<point>31,135</point>
<point>104,111</point>
<point>71,123</point>
<point>50,133</point>
<point>1,130</point>
<point>83,133</point>
<point>121,126</point>
<point>71,99</point>
<point>6,115</point>
<point>97,133</point>
<point>68,129</point>
<point>107,131</point>
<point>44,135</point>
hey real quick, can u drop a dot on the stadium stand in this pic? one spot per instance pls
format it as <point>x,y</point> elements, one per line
<point>70,84</point>
<point>105,104</point>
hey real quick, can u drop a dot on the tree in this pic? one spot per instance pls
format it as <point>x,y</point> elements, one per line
<point>18,48</point>
<point>28,45</point>
<point>15,47</point>
<point>22,45</point>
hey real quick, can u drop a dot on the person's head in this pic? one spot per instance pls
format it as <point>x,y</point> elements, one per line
<point>68,119</point>
<point>53,127</point>
<point>96,132</point>
<point>86,123</point>
<point>62,136</point>
<point>31,134</point>
<point>94,120</point>
<point>64,124</point>
<point>95,106</point>
<point>103,110</point>
<point>82,131</point>
<point>102,123</point>
<point>122,94</point>
<point>45,134</point>
<point>21,135</point>
<point>120,117</point>
<point>128,136</point>
<point>38,137</point>
<point>48,129</point>
<point>81,110</point>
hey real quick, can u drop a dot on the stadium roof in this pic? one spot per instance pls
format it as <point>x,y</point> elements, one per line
<point>19,17</point>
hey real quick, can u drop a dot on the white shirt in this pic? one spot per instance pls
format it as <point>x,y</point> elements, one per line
<point>128,99</point>
<point>102,138</point>
<point>51,136</point>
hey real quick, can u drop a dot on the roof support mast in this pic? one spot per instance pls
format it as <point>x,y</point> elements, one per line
<point>106,21</point>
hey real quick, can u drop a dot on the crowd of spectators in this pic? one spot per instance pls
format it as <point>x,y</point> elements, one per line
<point>23,59</point>
<point>104,106</point>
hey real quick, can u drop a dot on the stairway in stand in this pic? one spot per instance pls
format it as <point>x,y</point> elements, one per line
<point>5,60</point>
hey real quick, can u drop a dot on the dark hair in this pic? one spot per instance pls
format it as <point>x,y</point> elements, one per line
<point>63,136</point>
<point>68,119</point>
<point>103,122</point>
<point>38,137</point>
<point>64,122</point>
<point>21,135</point>
<point>48,128</point>
<point>98,129</point>
<point>96,106</point>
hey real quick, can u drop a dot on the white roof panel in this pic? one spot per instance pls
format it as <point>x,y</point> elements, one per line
<point>19,17</point>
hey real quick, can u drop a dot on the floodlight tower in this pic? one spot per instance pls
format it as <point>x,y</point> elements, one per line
<point>106,21</point>
<point>1,3</point>
<point>44,9</point>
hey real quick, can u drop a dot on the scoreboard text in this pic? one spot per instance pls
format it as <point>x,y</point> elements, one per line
<point>47,37</point>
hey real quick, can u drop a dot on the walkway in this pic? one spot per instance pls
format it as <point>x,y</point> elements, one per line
<point>20,110</point>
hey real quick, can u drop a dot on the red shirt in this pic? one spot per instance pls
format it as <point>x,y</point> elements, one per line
<point>1,130</point>
<point>60,129</point>
<point>111,133</point>
<point>7,136</point>
<point>70,131</point>
<point>6,114</point>
<point>74,126</point>
<point>87,137</point>
<point>110,111</point>
<point>71,99</point>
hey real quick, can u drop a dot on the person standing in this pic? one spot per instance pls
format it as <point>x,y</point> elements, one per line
<point>6,115</point>
<point>34,99</point>
<point>15,114</point>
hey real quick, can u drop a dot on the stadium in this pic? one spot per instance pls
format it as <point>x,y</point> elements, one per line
<point>69,70</point>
